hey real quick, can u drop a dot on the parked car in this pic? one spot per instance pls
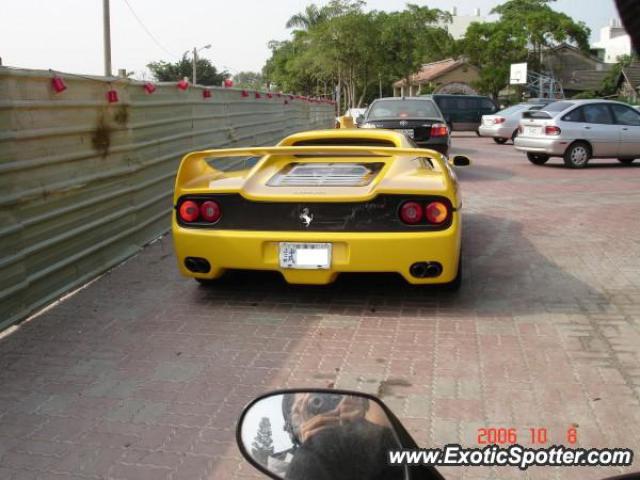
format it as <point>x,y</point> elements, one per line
<point>419,118</point>
<point>579,130</point>
<point>504,124</point>
<point>319,204</point>
<point>464,112</point>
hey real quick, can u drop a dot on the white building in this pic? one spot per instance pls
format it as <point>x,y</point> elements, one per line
<point>614,42</point>
<point>459,24</point>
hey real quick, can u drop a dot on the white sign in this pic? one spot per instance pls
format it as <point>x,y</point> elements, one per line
<point>518,74</point>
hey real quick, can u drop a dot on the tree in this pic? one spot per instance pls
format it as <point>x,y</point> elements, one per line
<point>262,446</point>
<point>524,30</point>
<point>249,80</point>
<point>341,46</point>
<point>541,26</point>
<point>493,47</point>
<point>170,72</point>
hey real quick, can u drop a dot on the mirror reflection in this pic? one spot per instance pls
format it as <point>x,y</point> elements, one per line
<point>320,435</point>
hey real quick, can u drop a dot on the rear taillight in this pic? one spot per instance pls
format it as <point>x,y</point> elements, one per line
<point>439,130</point>
<point>499,120</point>
<point>551,130</point>
<point>411,213</point>
<point>210,211</point>
<point>436,212</point>
<point>189,211</point>
<point>207,211</point>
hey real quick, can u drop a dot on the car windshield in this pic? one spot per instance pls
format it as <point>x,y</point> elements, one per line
<point>513,109</point>
<point>403,109</point>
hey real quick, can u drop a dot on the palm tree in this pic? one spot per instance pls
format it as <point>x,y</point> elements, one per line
<point>311,17</point>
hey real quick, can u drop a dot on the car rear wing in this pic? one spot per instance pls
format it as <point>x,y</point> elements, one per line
<point>195,164</point>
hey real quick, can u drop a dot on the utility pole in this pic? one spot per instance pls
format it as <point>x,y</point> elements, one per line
<point>107,37</point>
<point>195,61</point>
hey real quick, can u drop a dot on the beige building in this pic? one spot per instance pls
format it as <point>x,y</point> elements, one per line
<point>446,76</point>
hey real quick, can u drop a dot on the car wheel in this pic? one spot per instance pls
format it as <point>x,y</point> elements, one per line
<point>456,283</point>
<point>537,159</point>
<point>500,141</point>
<point>626,161</point>
<point>207,282</point>
<point>478,132</point>
<point>577,155</point>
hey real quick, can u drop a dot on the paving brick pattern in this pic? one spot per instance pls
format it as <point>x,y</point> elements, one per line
<point>143,374</point>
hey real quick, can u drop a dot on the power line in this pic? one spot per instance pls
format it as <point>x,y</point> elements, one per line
<point>151,36</point>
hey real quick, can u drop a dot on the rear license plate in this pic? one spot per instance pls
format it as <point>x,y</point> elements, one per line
<point>408,132</point>
<point>533,131</point>
<point>305,256</point>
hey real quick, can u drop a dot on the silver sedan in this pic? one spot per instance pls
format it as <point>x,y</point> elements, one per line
<point>503,125</point>
<point>579,130</point>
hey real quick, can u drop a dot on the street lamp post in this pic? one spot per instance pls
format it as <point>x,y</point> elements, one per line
<point>195,60</point>
<point>106,26</point>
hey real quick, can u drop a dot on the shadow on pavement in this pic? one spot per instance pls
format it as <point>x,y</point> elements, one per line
<point>503,274</point>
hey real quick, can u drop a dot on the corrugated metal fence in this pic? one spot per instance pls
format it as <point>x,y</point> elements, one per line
<point>84,184</point>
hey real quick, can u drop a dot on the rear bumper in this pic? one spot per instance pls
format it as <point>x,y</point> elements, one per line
<point>351,252</point>
<point>495,131</point>
<point>547,146</point>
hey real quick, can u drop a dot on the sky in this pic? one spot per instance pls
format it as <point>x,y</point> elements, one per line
<point>66,35</point>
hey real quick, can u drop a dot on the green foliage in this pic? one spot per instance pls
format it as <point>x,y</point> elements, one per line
<point>586,95</point>
<point>341,44</point>
<point>249,80</point>
<point>170,72</point>
<point>612,80</point>
<point>525,28</point>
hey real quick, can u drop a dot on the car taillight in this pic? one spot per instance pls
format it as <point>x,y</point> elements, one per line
<point>439,130</point>
<point>436,212</point>
<point>411,213</point>
<point>551,130</point>
<point>210,211</point>
<point>499,120</point>
<point>189,211</point>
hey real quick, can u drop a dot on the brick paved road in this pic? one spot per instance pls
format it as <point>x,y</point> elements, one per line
<point>143,374</point>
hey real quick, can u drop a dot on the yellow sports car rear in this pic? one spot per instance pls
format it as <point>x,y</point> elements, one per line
<point>319,204</point>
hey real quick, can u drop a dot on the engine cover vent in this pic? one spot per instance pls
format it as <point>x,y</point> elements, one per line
<point>326,175</point>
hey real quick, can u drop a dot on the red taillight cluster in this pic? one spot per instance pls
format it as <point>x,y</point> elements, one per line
<point>413,213</point>
<point>499,120</point>
<point>207,211</point>
<point>439,130</point>
<point>551,130</point>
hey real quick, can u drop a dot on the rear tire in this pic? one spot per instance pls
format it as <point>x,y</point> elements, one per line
<point>456,283</point>
<point>207,282</point>
<point>626,161</point>
<point>500,141</point>
<point>577,155</point>
<point>478,132</point>
<point>537,159</point>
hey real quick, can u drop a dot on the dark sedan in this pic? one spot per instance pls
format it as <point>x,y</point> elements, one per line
<point>419,118</point>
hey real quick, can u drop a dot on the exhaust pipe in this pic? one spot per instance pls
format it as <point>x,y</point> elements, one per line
<point>425,269</point>
<point>197,265</point>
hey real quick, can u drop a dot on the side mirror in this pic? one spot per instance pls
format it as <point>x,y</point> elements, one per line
<point>359,119</point>
<point>287,434</point>
<point>461,161</point>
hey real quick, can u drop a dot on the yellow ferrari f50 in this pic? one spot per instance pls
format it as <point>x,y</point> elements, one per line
<point>319,204</point>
